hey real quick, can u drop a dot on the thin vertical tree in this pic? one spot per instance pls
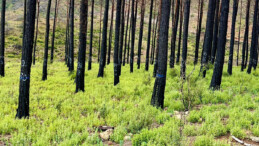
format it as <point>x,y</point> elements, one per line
<point>91,38</point>
<point>157,99</point>
<point>100,31</point>
<point>239,31</point>
<point>149,34</point>
<point>121,34</point>
<point>132,36</point>
<point>116,43</point>
<point>67,33</point>
<point>126,36</point>
<point>110,34</point>
<point>71,36</point>
<point>24,89</point>
<point>198,31</point>
<point>180,32</point>
<point>208,37</point>
<point>54,31</point>
<point>215,32</point>
<point>185,36</point>
<point>153,37</point>
<point>2,39</point>
<point>254,42</point>
<point>80,74</point>
<point>37,32</point>
<point>141,32</point>
<point>154,41</point>
<point>232,41</point>
<point>104,39</point>
<point>245,42</point>
<point>223,26</point>
<point>45,61</point>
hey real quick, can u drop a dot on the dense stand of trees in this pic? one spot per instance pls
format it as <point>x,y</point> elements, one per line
<point>122,49</point>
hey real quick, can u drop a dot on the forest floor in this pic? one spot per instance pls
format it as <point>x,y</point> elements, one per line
<point>193,114</point>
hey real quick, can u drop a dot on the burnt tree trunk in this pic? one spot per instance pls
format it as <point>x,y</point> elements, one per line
<point>71,40</point>
<point>24,89</point>
<point>223,26</point>
<point>132,36</point>
<point>126,36</point>
<point>104,39</point>
<point>2,39</point>
<point>157,99</point>
<point>67,33</point>
<point>91,38</point>
<point>100,31</point>
<point>185,36</point>
<point>45,62</point>
<point>110,35</point>
<point>215,33</point>
<point>239,31</point>
<point>37,32</point>
<point>180,33</point>
<point>121,35</point>
<point>232,41</point>
<point>80,74</point>
<point>53,33</point>
<point>116,43</point>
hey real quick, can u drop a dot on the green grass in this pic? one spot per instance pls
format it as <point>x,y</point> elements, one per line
<point>59,116</point>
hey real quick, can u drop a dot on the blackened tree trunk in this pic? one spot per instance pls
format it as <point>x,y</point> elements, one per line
<point>91,38</point>
<point>254,43</point>
<point>208,36</point>
<point>180,33</point>
<point>129,41</point>
<point>67,33</point>
<point>215,33</point>
<point>157,40</point>
<point>239,32</point>
<point>218,68</point>
<point>121,35</point>
<point>71,40</point>
<point>80,75</point>
<point>141,32</point>
<point>245,42</point>
<point>110,35</point>
<point>53,33</point>
<point>45,61</point>
<point>126,36</point>
<point>104,39</point>
<point>185,36</point>
<point>232,41</point>
<point>37,31</point>
<point>160,83</point>
<point>24,89</point>
<point>132,36</point>
<point>100,32</point>
<point>174,33</point>
<point>116,43</point>
<point>149,34</point>
<point>2,39</point>
<point>198,32</point>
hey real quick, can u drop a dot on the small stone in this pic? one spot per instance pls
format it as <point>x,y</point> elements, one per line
<point>255,139</point>
<point>127,138</point>
<point>106,135</point>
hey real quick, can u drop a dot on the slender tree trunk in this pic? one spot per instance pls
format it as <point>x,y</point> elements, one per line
<point>185,36</point>
<point>67,33</point>
<point>239,32</point>
<point>141,32</point>
<point>218,68</point>
<point>245,42</point>
<point>71,41</point>
<point>160,83</point>
<point>174,33</point>
<point>215,33</point>
<point>80,75</point>
<point>126,36</point>
<point>45,62</point>
<point>104,39</point>
<point>121,35</point>
<point>153,37</point>
<point>154,42</point>
<point>91,38</point>
<point>24,89</point>
<point>116,43</point>
<point>53,33</point>
<point>2,38</point>
<point>254,43</point>
<point>198,33</point>
<point>157,39</point>
<point>100,32</point>
<point>132,36</point>
<point>232,41</point>
<point>129,41</point>
<point>110,34</point>
<point>37,31</point>
<point>180,33</point>
<point>149,35</point>
<point>208,37</point>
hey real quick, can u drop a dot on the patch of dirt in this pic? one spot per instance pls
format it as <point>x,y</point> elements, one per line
<point>6,138</point>
<point>110,143</point>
